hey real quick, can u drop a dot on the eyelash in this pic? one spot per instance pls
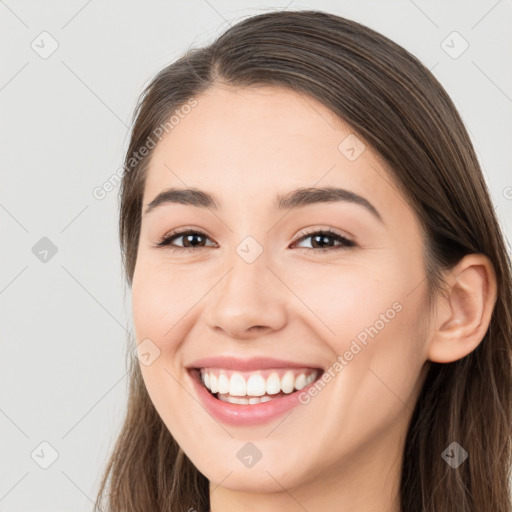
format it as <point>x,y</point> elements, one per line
<point>345,242</point>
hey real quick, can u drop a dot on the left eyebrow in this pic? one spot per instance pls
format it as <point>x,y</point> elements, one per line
<point>313,195</point>
<point>294,199</point>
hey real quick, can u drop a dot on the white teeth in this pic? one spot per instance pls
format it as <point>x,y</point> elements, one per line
<point>244,401</point>
<point>213,383</point>
<point>256,385</point>
<point>237,400</point>
<point>300,381</point>
<point>273,384</point>
<point>223,384</point>
<point>310,379</point>
<point>288,382</point>
<point>237,385</point>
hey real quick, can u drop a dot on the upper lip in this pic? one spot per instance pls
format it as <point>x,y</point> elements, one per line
<point>254,363</point>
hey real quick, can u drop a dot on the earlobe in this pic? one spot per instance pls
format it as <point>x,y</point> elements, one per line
<point>464,310</point>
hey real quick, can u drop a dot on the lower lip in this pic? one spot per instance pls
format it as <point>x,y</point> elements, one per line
<point>242,414</point>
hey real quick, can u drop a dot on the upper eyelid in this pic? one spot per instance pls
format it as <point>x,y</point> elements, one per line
<point>330,231</point>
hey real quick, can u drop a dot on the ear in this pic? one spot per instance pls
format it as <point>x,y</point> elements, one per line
<point>463,312</point>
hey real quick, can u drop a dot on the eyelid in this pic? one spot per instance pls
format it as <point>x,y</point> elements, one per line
<point>324,229</point>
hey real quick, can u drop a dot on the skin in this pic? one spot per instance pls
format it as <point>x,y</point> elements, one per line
<point>341,451</point>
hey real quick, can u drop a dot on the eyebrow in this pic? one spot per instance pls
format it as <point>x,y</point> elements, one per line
<point>293,199</point>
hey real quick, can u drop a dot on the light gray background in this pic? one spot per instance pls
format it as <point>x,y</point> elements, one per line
<point>65,322</point>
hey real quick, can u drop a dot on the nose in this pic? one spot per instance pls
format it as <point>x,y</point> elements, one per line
<point>248,302</point>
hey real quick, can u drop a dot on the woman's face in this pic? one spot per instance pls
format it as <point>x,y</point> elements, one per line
<point>254,282</point>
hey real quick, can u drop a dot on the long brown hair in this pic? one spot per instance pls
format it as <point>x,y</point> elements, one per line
<point>398,107</point>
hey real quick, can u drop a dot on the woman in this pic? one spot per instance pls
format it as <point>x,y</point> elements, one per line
<point>321,291</point>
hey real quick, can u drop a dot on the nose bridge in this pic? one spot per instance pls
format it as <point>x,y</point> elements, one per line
<point>247,296</point>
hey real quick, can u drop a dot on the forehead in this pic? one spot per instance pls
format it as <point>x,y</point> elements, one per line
<point>246,142</point>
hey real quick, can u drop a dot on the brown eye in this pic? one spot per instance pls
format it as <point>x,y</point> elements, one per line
<point>321,240</point>
<point>191,240</point>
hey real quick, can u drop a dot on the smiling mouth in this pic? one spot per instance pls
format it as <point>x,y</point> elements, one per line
<point>255,387</point>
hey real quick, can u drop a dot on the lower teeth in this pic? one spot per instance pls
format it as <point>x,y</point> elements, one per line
<point>245,400</point>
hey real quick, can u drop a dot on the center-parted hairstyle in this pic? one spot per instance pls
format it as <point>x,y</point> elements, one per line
<point>395,104</point>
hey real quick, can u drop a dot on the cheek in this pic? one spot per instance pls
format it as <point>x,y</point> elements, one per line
<point>161,299</point>
<point>159,307</point>
<point>380,344</point>
<point>371,317</point>
<point>341,300</point>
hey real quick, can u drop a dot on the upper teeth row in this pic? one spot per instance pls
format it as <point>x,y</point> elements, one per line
<point>256,384</point>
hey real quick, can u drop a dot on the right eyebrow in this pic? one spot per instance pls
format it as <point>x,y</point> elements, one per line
<point>188,196</point>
